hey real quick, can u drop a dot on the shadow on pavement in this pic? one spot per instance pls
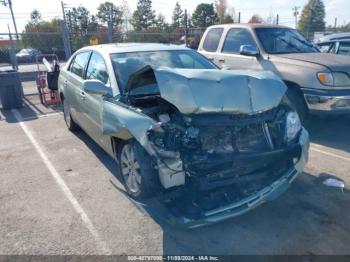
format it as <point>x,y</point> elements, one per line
<point>310,218</point>
<point>330,131</point>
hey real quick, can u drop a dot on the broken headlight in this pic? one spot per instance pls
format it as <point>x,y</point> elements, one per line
<point>293,125</point>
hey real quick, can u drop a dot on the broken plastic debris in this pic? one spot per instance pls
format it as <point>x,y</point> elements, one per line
<point>334,183</point>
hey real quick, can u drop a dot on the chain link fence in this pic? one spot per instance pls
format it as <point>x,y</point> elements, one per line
<point>65,42</point>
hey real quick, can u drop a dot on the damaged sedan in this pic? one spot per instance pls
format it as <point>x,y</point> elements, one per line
<point>210,144</point>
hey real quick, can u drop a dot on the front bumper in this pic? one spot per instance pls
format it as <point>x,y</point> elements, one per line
<point>327,100</point>
<point>268,193</point>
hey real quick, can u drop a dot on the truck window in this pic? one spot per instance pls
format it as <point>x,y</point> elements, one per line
<point>212,39</point>
<point>344,48</point>
<point>235,38</point>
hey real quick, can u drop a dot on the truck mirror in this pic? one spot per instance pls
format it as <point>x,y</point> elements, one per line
<point>249,50</point>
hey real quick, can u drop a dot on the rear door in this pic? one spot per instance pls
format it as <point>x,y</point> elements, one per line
<point>210,45</point>
<point>92,103</point>
<point>74,83</point>
<point>230,52</point>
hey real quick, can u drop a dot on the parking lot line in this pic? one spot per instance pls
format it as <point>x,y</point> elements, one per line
<point>67,192</point>
<point>318,148</point>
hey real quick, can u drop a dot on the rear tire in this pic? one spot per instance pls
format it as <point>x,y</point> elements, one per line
<point>297,102</point>
<point>71,124</point>
<point>140,179</point>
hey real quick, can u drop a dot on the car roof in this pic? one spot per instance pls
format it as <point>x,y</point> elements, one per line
<point>249,26</point>
<point>335,37</point>
<point>133,47</point>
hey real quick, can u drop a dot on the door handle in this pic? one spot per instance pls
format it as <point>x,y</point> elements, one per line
<point>82,95</point>
<point>211,58</point>
<point>222,60</point>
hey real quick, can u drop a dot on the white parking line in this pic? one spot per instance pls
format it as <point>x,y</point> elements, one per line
<point>78,208</point>
<point>319,149</point>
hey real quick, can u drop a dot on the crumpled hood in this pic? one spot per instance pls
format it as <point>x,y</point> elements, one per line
<point>332,61</point>
<point>196,91</point>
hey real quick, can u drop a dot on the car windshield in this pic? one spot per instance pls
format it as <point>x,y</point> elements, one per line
<point>125,64</point>
<point>283,41</point>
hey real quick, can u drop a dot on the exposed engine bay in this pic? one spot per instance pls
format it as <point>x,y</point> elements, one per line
<point>206,160</point>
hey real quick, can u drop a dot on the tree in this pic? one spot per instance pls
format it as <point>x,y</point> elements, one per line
<point>178,16</point>
<point>108,11</point>
<point>256,19</point>
<point>160,22</point>
<point>312,17</point>
<point>35,17</point>
<point>43,43</point>
<point>143,17</point>
<point>204,15</point>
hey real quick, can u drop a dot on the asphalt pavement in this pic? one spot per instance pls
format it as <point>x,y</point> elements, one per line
<point>59,195</point>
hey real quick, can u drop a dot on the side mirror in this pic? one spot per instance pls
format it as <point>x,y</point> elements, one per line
<point>249,50</point>
<point>95,87</point>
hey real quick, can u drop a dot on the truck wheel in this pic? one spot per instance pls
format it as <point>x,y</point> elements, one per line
<point>135,166</point>
<point>72,126</point>
<point>297,102</point>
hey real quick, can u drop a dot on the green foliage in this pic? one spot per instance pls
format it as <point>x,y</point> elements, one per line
<point>35,16</point>
<point>107,11</point>
<point>312,17</point>
<point>143,18</point>
<point>204,16</point>
<point>227,19</point>
<point>178,16</point>
<point>43,43</point>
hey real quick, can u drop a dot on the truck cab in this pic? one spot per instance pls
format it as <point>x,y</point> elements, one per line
<point>317,82</point>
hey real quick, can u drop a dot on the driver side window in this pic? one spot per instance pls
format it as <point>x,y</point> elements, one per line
<point>97,69</point>
<point>235,38</point>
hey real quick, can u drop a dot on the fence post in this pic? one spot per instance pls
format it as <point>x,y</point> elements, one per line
<point>66,42</point>
<point>12,53</point>
<point>110,32</point>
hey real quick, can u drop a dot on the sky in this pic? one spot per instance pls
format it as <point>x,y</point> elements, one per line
<point>52,8</point>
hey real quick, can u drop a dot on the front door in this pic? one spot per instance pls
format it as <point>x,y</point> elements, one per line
<point>92,103</point>
<point>230,53</point>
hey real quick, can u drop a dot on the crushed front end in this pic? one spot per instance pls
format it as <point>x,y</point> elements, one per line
<point>217,166</point>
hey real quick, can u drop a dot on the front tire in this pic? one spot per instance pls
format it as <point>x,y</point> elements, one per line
<point>72,126</point>
<point>135,166</point>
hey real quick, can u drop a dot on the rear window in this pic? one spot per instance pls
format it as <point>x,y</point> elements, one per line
<point>212,39</point>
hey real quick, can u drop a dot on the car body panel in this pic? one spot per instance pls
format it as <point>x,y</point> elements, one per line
<point>211,91</point>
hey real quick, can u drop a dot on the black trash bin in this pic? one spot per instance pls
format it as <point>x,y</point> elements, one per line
<point>11,91</point>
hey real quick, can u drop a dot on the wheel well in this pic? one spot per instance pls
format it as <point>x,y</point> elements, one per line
<point>295,87</point>
<point>115,142</point>
<point>61,96</point>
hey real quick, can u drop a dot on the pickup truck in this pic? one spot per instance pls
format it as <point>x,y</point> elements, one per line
<point>317,82</point>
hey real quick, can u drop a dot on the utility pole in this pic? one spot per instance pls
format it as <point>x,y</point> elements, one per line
<point>277,19</point>
<point>239,17</point>
<point>296,13</point>
<point>9,2</point>
<point>335,24</point>
<point>110,24</point>
<point>186,27</point>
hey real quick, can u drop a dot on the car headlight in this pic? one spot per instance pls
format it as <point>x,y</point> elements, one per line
<point>334,79</point>
<point>293,125</point>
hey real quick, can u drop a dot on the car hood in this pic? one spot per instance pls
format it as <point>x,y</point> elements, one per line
<point>331,61</point>
<point>196,91</point>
